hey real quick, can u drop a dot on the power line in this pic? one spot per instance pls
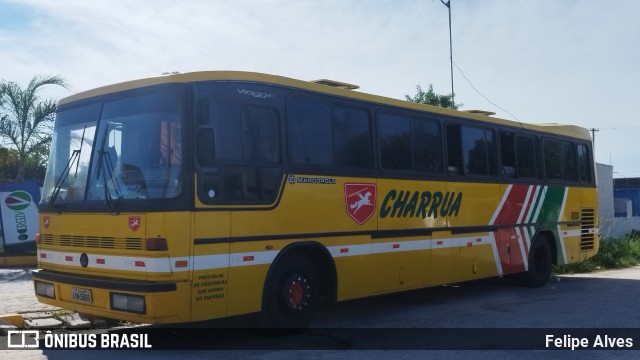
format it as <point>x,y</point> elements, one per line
<point>481,94</point>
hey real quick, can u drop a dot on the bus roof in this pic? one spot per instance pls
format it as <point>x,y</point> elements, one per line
<point>326,87</point>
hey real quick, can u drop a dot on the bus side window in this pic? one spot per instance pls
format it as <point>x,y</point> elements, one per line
<point>584,164</point>
<point>454,150</point>
<point>426,145</point>
<point>352,138</point>
<point>471,149</point>
<point>560,160</point>
<point>527,157</point>
<point>206,147</point>
<point>508,155</point>
<point>395,142</point>
<point>310,133</point>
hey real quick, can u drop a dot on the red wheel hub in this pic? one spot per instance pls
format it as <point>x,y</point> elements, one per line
<point>296,293</point>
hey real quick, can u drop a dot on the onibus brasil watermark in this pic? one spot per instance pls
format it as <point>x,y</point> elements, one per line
<point>29,339</point>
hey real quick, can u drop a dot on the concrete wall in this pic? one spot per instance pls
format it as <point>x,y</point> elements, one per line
<point>611,226</point>
<point>619,227</point>
<point>604,175</point>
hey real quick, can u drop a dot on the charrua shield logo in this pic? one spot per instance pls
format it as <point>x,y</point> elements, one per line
<point>360,201</point>
<point>134,222</point>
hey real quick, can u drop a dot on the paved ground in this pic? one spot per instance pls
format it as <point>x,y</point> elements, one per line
<point>602,300</point>
<point>16,292</point>
<point>17,297</point>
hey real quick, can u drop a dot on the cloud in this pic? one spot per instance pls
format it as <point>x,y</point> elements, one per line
<point>544,61</point>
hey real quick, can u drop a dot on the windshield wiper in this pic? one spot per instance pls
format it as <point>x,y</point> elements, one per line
<point>104,159</point>
<point>75,156</point>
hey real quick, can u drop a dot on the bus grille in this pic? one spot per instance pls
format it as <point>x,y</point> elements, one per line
<point>93,242</point>
<point>588,225</point>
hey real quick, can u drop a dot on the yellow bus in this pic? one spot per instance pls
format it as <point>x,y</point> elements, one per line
<point>203,195</point>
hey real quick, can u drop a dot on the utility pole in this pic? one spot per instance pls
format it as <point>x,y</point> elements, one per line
<point>448,5</point>
<point>593,136</point>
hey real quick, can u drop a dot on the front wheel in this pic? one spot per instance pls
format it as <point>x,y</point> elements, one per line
<point>291,292</point>
<point>539,264</point>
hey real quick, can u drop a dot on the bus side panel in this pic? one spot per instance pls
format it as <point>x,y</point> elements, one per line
<point>474,257</point>
<point>210,278</point>
<point>590,241</point>
<point>353,268</point>
<point>400,262</point>
<point>513,241</point>
<point>210,282</point>
<point>569,231</point>
<point>249,265</point>
<point>443,247</point>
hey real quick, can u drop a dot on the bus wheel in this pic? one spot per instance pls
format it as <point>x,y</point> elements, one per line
<point>539,264</point>
<point>290,293</point>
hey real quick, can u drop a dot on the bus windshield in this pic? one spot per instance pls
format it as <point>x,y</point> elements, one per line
<point>125,149</point>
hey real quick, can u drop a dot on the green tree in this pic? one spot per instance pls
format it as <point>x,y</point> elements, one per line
<point>26,119</point>
<point>429,97</point>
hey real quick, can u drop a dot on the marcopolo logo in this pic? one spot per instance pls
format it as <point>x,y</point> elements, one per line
<point>19,201</point>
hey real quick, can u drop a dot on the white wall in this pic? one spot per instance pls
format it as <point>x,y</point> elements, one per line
<point>604,175</point>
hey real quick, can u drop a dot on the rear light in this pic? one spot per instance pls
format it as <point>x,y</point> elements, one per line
<point>128,302</point>
<point>157,244</point>
<point>38,238</point>
<point>45,289</point>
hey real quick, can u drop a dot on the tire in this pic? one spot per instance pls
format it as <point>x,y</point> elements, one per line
<point>291,292</point>
<point>539,264</point>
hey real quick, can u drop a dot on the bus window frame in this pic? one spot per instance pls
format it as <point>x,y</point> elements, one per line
<point>518,135</point>
<point>561,181</point>
<point>332,102</point>
<point>217,168</point>
<point>460,122</point>
<point>412,116</point>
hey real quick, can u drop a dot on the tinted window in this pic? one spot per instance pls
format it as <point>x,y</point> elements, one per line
<point>471,150</point>
<point>331,136</point>
<point>245,165</point>
<point>508,155</point>
<point>560,160</point>
<point>584,163</point>
<point>519,156</point>
<point>527,156</point>
<point>352,138</point>
<point>310,132</point>
<point>427,146</point>
<point>260,135</point>
<point>227,122</point>
<point>395,142</point>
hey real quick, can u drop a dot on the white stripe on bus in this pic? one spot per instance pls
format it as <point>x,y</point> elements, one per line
<point>221,261</point>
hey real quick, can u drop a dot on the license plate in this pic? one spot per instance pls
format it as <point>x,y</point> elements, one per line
<point>81,295</point>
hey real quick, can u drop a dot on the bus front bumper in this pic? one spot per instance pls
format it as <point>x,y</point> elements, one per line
<point>137,301</point>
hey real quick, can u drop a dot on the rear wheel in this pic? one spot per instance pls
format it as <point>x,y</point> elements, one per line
<point>539,264</point>
<point>291,292</point>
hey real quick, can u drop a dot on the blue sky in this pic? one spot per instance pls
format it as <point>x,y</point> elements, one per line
<point>543,61</point>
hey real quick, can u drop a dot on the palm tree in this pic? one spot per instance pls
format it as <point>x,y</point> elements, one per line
<point>25,119</point>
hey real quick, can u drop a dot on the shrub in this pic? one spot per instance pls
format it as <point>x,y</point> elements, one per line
<point>614,253</point>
